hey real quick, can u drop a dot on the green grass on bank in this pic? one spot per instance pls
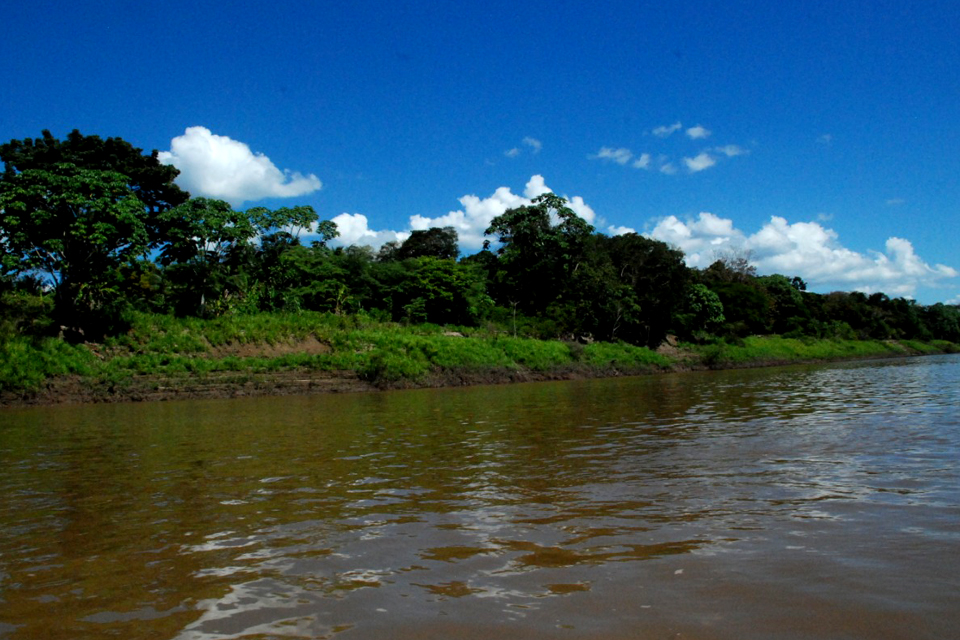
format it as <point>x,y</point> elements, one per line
<point>380,352</point>
<point>765,349</point>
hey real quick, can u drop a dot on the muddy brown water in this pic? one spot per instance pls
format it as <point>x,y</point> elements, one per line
<point>798,502</point>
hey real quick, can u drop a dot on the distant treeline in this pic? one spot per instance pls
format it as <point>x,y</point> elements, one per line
<point>92,229</point>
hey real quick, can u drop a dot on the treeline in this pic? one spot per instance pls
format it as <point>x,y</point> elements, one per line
<point>92,229</point>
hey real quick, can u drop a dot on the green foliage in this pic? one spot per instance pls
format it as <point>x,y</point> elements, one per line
<point>622,356</point>
<point>26,363</point>
<point>435,242</point>
<point>149,180</point>
<point>77,227</point>
<point>537,257</point>
<point>701,312</point>
<point>775,349</point>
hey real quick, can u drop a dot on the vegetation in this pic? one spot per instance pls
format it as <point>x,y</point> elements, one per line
<point>109,271</point>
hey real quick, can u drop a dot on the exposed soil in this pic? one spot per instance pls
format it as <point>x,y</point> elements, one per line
<point>309,346</point>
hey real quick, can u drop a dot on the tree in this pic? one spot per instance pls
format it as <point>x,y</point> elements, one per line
<point>150,180</point>
<point>656,276</point>
<point>435,242</point>
<point>537,256</point>
<point>200,236</point>
<point>789,313</point>
<point>702,311</point>
<point>733,265</point>
<point>75,226</point>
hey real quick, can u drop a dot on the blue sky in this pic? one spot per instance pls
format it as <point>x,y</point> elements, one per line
<point>822,137</point>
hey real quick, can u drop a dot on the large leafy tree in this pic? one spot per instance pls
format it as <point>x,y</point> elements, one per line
<point>655,276</point>
<point>541,248</point>
<point>205,242</point>
<point>150,180</point>
<point>83,196</point>
<point>76,227</point>
<point>435,242</point>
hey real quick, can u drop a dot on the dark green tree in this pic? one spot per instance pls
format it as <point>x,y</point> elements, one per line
<point>150,180</point>
<point>435,242</point>
<point>205,241</point>
<point>657,277</point>
<point>76,227</point>
<point>541,247</point>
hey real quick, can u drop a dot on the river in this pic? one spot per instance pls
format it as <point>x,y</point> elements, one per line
<point>794,503</point>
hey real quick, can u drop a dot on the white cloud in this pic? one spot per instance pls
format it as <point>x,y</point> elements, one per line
<point>512,153</point>
<point>536,186</point>
<point>807,249</point>
<point>582,209</point>
<point>220,167</point>
<point>731,150</point>
<point>620,156</point>
<point>642,162</point>
<point>665,131</point>
<point>533,143</point>
<point>620,230</point>
<point>702,161</point>
<point>698,132</point>
<point>355,229</point>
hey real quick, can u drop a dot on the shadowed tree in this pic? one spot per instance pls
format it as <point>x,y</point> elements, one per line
<point>537,257</point>
<point>76,227</point>
<point>435,242</point>
<point>150,180</point>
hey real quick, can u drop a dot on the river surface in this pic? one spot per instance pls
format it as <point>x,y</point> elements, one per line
<point>795,503</point>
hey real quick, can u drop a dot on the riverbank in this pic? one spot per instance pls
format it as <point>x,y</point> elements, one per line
<point>165,358</point>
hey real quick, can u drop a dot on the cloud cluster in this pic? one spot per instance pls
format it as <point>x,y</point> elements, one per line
<point>219,167</point>
<point>807,249</point>
<point>704,159</point>
<point>470,221</point>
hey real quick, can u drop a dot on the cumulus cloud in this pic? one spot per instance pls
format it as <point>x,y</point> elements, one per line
<point>533,143</point>
<point>620,156</point>
<point>698,132</point>
<point>620,230</point>
<point>666,131</point>
<point>807,249</point>
<point>355,229</point>
<point>700,162</point>
<point>220,167</point>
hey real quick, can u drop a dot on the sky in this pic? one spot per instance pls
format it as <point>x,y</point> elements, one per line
<point>822,139</point>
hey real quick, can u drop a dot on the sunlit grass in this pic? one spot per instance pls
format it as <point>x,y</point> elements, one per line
<point>382,352</point>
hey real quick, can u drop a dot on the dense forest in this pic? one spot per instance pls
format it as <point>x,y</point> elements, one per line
<point>92,230</point>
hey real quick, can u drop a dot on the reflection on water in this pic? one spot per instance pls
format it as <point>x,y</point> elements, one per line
<point>804,502</point>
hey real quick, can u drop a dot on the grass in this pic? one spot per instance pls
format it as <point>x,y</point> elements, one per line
<point>765,349</point>
<point>380,352</point>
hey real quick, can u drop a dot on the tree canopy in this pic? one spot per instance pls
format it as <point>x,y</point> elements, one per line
<point>150,180</point>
